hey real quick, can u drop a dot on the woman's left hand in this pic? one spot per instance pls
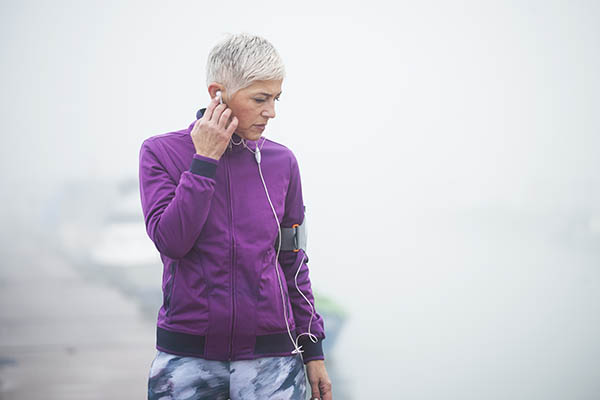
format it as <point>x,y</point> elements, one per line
<point>319,380</point>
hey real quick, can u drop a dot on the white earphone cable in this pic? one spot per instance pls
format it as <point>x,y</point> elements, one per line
<point>313,338</point>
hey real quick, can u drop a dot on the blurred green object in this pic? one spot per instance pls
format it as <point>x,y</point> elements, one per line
<point>327,304</point>
<point>334,317</point>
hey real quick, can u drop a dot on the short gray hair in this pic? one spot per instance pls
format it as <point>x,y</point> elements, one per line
<point>241,59</point>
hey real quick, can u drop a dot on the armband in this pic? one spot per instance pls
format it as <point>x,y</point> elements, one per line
<point>294,238</point>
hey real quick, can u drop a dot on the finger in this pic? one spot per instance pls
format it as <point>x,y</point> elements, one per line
<point>224,119</point>
<point>198,122</point>
<point>232,126</point>
<point>325,388</point>
<point>315,392</point>
<point>217,113</point>
<point>211,107</point>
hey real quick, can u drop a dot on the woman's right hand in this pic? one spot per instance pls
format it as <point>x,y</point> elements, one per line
<point>211,133</point>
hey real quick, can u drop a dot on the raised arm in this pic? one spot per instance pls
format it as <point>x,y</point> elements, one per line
<point>175,212</point>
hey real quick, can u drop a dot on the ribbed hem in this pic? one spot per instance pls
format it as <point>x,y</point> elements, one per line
<point>311,351</point>
<point>204,166</point>
<point>277,344</point>
<point>178,342</point>
<point>307,359</point>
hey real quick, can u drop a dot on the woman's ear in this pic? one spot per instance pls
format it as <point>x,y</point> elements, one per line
<point>212,90</point>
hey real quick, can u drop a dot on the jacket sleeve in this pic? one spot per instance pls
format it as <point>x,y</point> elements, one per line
<point>175,212</point>
<point>290,262</point>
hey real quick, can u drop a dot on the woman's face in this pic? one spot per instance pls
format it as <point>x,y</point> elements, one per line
<point>254,106</point>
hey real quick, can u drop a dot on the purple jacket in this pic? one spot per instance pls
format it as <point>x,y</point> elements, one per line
<point>217,236</point>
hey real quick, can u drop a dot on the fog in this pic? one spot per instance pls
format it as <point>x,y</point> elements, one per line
<point>448,154</point>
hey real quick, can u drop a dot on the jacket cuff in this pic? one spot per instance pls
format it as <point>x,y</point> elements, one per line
<point>204,166</point>
<point>311,351</point>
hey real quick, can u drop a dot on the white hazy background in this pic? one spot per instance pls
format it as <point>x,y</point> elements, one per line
<point>448,152</point>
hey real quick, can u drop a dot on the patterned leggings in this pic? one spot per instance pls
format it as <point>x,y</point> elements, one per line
<point>175,377</point>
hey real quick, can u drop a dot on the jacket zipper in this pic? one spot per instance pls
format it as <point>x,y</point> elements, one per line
<point>232,276</point>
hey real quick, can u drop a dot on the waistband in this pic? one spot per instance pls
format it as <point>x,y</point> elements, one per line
<point>195,345</point>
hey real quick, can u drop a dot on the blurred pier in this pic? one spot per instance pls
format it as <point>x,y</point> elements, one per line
<point>64,335</point>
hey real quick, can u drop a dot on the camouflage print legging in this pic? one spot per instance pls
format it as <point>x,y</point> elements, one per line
<point>175,377</point>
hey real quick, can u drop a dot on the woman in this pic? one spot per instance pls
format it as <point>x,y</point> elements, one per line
<point>223,206</point>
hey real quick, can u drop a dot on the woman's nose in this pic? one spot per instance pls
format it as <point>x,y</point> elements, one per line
<point>269,111</point>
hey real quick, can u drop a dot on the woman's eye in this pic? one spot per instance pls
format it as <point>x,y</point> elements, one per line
<point>263,100</point>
